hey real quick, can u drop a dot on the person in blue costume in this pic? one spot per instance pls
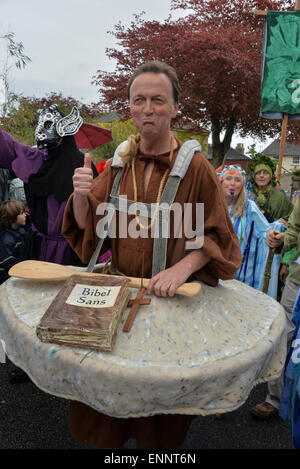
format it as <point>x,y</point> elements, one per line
<point>251,228</point>
<point>285,397</point>
<point>289,408</point>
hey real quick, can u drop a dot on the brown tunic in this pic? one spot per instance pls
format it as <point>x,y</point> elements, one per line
<point>200,185</point>
<point>220,243</point>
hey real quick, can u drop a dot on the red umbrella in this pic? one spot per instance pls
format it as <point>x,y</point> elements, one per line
<point>100,166</point>
<point>92,136</point>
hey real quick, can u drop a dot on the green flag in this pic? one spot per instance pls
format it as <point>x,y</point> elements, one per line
<point>281,65</point>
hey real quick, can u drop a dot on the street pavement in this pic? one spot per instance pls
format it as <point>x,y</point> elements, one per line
<point>33,419</point>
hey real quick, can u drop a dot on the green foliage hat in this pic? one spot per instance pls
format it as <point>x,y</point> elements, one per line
<point>259,162</point>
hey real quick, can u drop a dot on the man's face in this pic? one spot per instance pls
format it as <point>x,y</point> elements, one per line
<point>262,179</point>
<point>152,104</point>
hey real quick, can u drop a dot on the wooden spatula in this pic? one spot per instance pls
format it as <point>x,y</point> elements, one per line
<point>39,270</point>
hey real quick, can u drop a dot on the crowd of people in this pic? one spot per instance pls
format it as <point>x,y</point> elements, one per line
<point>247,222</point>
<point>251,225</point>
<point>264,220</point>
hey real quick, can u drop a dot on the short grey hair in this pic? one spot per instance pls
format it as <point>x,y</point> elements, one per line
<point>157,67</point>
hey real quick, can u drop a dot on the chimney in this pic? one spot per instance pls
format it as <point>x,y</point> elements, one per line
<point>240,147</point>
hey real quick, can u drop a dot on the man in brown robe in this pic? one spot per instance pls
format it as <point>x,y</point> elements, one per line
<point>153,95</point>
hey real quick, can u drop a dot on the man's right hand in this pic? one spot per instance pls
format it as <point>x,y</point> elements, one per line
<point>82,183</point>
<point>83,177</point>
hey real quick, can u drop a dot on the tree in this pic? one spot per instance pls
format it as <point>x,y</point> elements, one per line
<point>216,51</point>
<point>13,57</point>
<point>120,131</point>
<point>22,117</point>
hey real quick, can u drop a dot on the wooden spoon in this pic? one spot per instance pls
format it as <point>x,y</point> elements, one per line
<point>40,270</point>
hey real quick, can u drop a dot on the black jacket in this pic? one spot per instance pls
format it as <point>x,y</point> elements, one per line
<point>11,249</point>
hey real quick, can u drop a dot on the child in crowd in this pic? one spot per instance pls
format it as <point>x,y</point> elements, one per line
<point>12,235</point>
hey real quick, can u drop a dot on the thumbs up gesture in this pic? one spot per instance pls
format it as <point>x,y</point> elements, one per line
<point>83,177</point>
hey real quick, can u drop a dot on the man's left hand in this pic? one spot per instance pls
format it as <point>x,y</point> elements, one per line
<point>165,283</point>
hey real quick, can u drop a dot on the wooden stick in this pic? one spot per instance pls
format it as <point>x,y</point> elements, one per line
<point>268,267</point>
<point>282,143</point>
<point>40,270</point>
<point>259,12</point>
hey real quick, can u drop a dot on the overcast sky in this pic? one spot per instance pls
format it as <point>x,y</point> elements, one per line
<point>66,41</point>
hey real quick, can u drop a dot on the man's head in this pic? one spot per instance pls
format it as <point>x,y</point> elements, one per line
<point>261,171</point>
<point>53,126</point>
<point>157,67</point>
<point>153,96</point>
<point>262,175</point>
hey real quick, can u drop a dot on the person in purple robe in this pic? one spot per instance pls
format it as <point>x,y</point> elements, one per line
<point>47,171</point>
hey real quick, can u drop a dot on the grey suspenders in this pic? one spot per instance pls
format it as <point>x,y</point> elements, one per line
<point>178,172</point>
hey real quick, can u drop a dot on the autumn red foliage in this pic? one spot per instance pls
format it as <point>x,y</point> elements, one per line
<point>215,48</point>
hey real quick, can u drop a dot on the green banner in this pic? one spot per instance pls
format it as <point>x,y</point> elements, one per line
<point>281,65</point>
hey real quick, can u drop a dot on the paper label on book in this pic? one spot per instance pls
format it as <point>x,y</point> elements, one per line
<point>93,296</point>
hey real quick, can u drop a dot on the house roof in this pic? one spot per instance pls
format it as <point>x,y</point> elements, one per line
<point>110,117</point>
<point>231,154</point>
<point>192,130</point>
<point>290,149</point>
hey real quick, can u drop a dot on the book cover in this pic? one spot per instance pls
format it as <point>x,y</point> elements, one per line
<point>86,312</point>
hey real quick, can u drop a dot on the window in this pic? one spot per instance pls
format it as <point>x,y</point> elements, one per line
<point>296,160</point>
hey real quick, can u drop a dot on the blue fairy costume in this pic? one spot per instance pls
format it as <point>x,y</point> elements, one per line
<point>251,228</point>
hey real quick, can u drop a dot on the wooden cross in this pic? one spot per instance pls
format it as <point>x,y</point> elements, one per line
<point>136,303</point>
